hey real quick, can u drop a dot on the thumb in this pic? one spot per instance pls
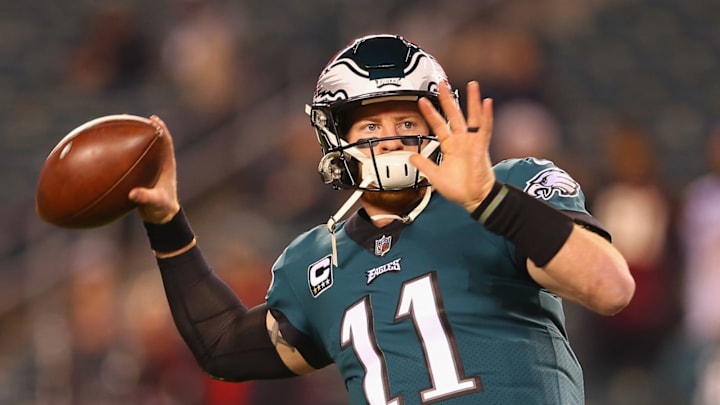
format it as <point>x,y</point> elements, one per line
<point>139,195</point>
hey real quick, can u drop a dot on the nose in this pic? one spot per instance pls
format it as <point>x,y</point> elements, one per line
<point>390,145</point>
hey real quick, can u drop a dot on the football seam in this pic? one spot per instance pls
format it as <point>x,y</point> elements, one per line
<point>111,188</point>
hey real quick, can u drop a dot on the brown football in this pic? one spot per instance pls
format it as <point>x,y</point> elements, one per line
<point>85,181</point>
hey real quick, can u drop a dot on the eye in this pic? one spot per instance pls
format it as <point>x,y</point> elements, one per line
<point>408,125</point>
<point>371,127</point>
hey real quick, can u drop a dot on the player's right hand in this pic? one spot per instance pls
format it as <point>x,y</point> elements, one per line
<point>159,204</point>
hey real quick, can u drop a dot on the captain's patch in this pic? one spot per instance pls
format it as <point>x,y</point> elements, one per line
<point>551,181</point>
<point>320,276</point>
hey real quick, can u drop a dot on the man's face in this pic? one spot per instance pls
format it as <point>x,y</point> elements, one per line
<point>383,120</point>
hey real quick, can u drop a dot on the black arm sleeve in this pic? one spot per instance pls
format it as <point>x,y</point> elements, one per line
<point>228,341</point>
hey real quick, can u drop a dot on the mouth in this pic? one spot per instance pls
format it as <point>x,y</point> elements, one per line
<point>391,170</point>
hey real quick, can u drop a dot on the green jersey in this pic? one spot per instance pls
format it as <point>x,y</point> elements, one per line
<point>439,310</point>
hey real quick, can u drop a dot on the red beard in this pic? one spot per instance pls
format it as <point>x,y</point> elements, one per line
<point>394,202</point>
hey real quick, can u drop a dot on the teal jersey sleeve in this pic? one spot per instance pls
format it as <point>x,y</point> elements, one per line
<point>551,184</point>
<point>543,180</point>
<point>299,276</point>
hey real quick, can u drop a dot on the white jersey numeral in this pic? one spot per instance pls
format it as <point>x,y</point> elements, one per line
<point>420,301</point>
<point>357,331</point>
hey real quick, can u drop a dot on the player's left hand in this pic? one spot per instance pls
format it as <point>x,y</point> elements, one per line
<point>465,174</point>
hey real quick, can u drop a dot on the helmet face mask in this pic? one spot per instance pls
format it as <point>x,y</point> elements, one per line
<point>372,69</point>
<point>381,172</point>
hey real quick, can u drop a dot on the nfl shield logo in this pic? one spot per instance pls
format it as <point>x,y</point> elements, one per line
<point>382,245</point>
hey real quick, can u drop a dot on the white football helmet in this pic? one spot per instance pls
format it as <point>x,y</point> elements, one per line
<point>372,69</point>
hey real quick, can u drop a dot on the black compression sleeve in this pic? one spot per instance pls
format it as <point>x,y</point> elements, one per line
<point>228,341</point>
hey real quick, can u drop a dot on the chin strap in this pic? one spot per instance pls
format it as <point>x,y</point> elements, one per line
<point>334,219</point>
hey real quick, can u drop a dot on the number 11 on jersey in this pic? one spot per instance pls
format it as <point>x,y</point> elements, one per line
<point>419,300</point>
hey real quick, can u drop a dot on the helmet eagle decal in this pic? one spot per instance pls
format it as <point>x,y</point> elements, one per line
<point>368,71</point>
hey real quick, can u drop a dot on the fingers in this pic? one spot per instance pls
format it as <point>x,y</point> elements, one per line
<point>159,203</point>
<point>434,119</point>
<point>479,113</point>
<point>425,166</point>
<point>169,153</point>
<point>474,106</point>
<point>451,108</point>
<point>159,123</point>
<point>486,122</point>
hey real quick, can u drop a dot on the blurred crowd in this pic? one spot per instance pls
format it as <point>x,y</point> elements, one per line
<point>83,313</point>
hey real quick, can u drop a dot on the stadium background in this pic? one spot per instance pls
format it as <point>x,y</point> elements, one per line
<point>82,314</point>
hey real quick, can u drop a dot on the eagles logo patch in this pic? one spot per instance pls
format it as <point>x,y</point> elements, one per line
<point>551,181</point>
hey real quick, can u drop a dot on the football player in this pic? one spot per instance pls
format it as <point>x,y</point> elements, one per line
<point>445,286</point>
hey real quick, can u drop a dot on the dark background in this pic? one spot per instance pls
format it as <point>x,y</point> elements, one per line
<point>599,86</point>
